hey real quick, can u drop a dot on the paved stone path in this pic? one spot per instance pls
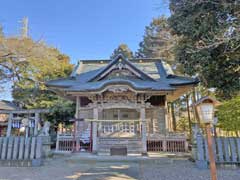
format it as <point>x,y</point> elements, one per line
<point>71,168</point>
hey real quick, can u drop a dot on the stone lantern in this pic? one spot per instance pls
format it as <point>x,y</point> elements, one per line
<point>205,107</point>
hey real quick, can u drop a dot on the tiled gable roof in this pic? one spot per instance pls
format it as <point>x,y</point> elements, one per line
<point>157,74</point>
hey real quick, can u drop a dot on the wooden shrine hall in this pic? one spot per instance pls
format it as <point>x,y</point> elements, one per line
<point>121,104</point>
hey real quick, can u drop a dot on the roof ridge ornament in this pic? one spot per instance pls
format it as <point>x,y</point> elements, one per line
<point>120,66</point>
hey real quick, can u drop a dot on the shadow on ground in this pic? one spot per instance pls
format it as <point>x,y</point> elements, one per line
<point>111,171</point>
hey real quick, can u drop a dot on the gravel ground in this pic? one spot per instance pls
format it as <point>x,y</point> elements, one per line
<point>65,168</point>
<point>185,170</point>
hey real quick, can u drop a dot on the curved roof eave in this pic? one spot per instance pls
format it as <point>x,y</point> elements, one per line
<point>128,83</point>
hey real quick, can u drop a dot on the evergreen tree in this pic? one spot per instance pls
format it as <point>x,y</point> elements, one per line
<point>124,50</point>
<point>209,44</point>
<point>229,115</point>
<point>158,41</point>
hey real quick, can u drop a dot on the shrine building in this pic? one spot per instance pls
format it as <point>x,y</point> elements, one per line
<point>122,103</point>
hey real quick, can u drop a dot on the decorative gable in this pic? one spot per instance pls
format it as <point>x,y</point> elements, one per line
<point>121,68</point>
<point>121,73</point>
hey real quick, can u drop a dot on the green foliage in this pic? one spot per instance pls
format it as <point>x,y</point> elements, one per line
<point>61,111</point>
<point>158,42</point>
<point>209,43</point>
<point>40,64</point>
<point>229,115</point>
<point>183,125</point>
<point>28,64</point>
<point>124,50</point>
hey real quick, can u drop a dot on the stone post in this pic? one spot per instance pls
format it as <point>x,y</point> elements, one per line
<point>36,124</point>
<point>46,145</point>
<point>195,131</point>
<point>144,131</point>
<point>57,142</point>
<point>9,128</point>
<point>94,130</point>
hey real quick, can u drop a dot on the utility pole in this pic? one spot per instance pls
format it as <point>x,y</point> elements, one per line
<point>24,29</point>
<point>1,31</point>
<point>189,117</point>
<point>194,108</point>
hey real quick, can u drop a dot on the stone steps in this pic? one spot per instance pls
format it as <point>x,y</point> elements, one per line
<point>132,145</point>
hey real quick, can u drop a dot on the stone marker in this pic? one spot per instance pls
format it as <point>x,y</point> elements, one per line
<point>33,145</point>
<point>226,149</point>
<point>39,148</point>
<point>21,148</point>
<point>220,150</point>
<point>10,148</point>
<point>1,142</point>
<point>15,148</point>
<point>4,148</point>
<point>233,150</point>
<point>27,147</point>
<point>238,147</point>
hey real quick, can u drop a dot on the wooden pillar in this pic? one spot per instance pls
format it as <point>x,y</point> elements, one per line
<point>9,128</point>
<point>77,124</point>
<point>211,153</point>
<point>94,130</point>
<point>77,107</point>
<point>144,130</point>
<point>173,117</point>
<point>36,124</point>
<point>166,116</point>
<point>164,144</point>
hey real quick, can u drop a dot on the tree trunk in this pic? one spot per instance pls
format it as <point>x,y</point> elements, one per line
<point>194,107</point>
<point>236,132</point>
<point>189,117</point>
<point>173,117</point>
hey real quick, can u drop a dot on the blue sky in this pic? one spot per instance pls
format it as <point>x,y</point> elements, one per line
<point>82,29</point>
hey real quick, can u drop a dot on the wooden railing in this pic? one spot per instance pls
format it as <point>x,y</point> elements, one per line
<point>154,145</point>
<point>167,144</point>
<point>69,143</point>
<point>65,143</point>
